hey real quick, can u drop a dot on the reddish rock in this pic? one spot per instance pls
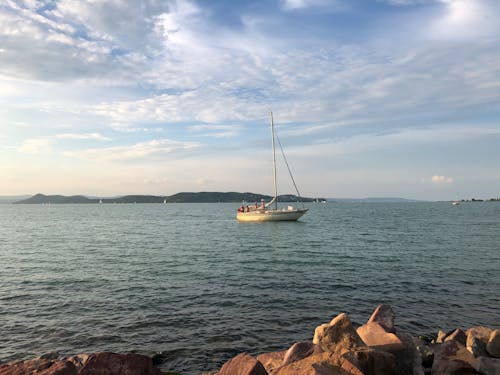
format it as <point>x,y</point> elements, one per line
<point>107,363</point>
<point>39,366</point>
<point>487,365</point>
<point>441,335</point>
<point>457,335</point>
<point>384,315</point>
<point>493,346</point>
<point>300,350</point>
<point>338,336</point>
<point>243,364</point>
<point>373,362</point>
<point>477,338</point>
<point>374,335</point>
<point>271,361</point>
<point>326,363</point>
<point>452,358</point>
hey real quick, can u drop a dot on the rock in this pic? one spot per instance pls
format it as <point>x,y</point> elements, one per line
<point>452,358</point>
<point>107,363</point>
<point>457,335</point>
<point>300,350</point>
<point>373,362</point>
<point>477,347</point>
<point>326,363</point>
<point>242,364</point>
<point>375,336</point>
<point>493,346</point>
<point>384,315</point>
<point>487,365</point>
<point>39,366</point>
<point>271,361</point>
<point>440,337</point>
<point>50,355</point>
<point>477,338</point>
<point>426,351</point>
<point>337,336</point>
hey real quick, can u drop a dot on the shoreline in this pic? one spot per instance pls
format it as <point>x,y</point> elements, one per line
<point>377,347</point>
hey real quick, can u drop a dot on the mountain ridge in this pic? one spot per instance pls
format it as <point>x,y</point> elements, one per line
<point>183,197</point>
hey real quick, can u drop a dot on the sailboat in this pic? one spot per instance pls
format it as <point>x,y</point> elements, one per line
<point>270,211</point>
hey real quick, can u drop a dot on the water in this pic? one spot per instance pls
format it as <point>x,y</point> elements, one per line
<point>191,282</point>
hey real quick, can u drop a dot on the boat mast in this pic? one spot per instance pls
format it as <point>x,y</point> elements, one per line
<point>274,164</point>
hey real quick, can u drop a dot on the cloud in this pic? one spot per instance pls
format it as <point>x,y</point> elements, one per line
<point>466,19</point>
<point>36,146</point>
<point>67,40</point>
<point>216,131</point>
<point>89,136</point>
<point>151,150</point>
<point>301,4</point>
<point>437,180</point>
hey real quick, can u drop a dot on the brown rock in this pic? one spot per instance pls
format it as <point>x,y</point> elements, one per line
<point>384,315</point>
<point>107,363</point>
<point>326,363</point>
<point>39,366</point>
<point>452,358</point>
<point>373,362</point>
<point>487,365</point>
<point>441,335</point>
<point>300,350</point>
<point>242,364</point>
<point>457,335</point>
<point>477,347</point>
<point>477,338</point>
<point>493,346</point>
<point>375,336</point>
<point>338,336</point>
<point>271,361</point>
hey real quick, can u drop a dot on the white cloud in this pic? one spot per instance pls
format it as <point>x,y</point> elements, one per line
<point>216,131</point>
<point>90,136</point>
<point>440,180</point>
<point>466,19</point>
<point>36,146</point>
<point>151,150</point>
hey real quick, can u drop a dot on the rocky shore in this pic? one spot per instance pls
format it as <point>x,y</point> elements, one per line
<point>376,348</point>
<point>337,348</point>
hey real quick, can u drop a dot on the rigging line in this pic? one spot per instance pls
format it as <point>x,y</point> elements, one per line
<point>288,167</point>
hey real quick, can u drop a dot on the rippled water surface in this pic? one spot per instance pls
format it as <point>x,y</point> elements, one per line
<point>191,282</point>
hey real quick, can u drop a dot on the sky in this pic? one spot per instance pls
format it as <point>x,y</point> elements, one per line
<point>371,98</point>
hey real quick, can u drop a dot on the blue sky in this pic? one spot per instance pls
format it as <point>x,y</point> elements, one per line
<point>370,98</point>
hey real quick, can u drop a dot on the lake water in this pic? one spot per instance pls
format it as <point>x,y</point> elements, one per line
<point>191,282</point>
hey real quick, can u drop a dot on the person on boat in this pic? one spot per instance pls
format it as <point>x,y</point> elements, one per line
<point>262,204</point>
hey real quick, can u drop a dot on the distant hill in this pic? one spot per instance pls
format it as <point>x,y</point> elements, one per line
<point>200,197</point>
<point>12,198</point>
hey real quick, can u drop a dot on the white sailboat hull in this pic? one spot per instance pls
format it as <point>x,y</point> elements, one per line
<point>271,215</point>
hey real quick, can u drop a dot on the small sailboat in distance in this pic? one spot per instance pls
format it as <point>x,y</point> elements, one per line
<point>270,211</point>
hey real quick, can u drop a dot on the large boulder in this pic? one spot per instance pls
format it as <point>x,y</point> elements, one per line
<point>477,338</point>
<point>384,315</point>
<point>39,366</point>
<point>452,358</point>
<point>493,346</point>
<point>376,336</point>
<point>242,364</point>
<point>107,363</point>
<point>326,363</point>
<point>373,362</point>
<point>272,360</point>
<point>338,336</point>
<point>300,350</point>
<point>457,335</point>
<point>487,365</point>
